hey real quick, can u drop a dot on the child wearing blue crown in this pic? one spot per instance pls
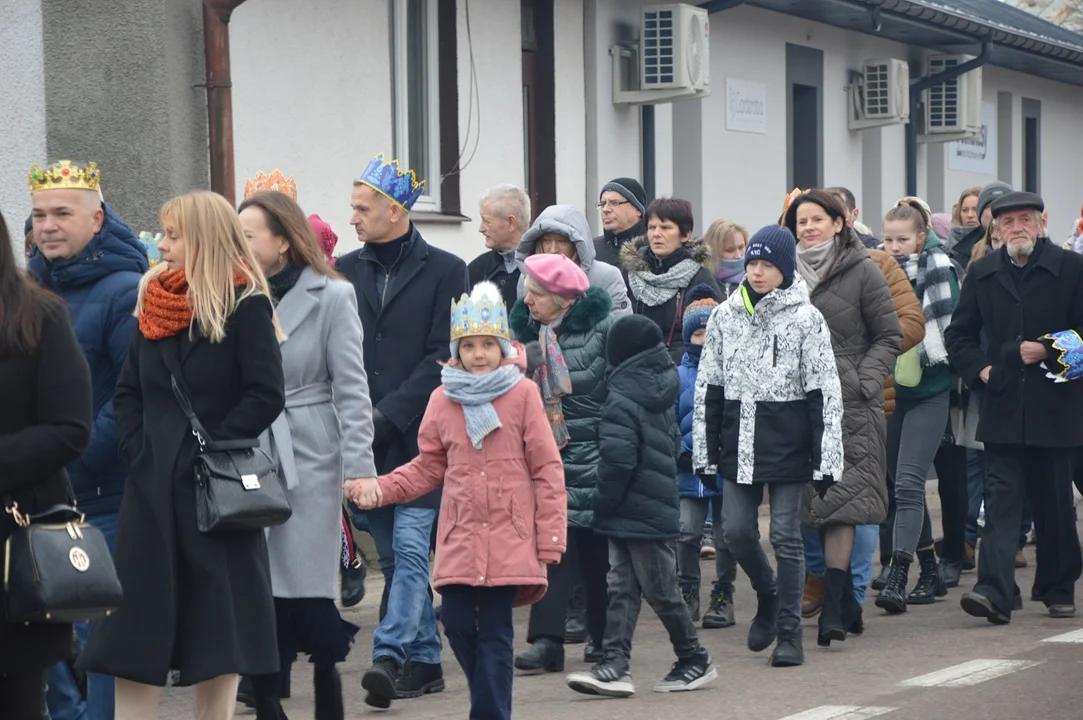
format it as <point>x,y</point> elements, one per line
<point>503,516</point>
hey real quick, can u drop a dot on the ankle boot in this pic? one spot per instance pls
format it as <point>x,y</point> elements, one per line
<point>328,687</point>
<point>812,597</point>
<point>893,597</point>
<point>851,610</point>
<point>266,698</point>
<point>831,624</point>
<point>930,584</point>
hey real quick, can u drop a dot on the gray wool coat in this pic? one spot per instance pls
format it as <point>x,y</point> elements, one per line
<point>323,437</point>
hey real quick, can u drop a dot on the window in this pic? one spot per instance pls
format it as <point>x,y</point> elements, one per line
<point>415,88</point>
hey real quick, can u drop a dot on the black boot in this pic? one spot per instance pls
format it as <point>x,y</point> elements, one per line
<point>789,652</point>
<point>764,627</point>
<point>950,570</point>
<point>266,698</point>
<point>893,597</point>
<point>328,688</point>
<point>851,610</point>
<point>880,581</point>
<point>930,584</point>
<point>831,624</point>
<point>544,656</point>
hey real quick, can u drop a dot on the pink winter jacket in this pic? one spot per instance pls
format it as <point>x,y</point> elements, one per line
<point>504,511</point>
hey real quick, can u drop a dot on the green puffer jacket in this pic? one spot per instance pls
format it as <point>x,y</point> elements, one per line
<point>582,335</point>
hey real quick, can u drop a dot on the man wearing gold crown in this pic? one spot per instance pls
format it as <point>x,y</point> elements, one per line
<point>85,254</point>
<point>404,288</point>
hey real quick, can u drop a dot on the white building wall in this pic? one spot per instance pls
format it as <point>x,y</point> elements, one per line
<point>570,88</point>
<point>307,101</point>
<point>22,112</point>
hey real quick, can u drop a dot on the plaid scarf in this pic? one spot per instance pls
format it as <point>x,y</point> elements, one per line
<point>931,273</point>
<point>554,381</point>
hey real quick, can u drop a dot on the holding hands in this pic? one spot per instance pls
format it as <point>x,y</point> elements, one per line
<point>364,492</point>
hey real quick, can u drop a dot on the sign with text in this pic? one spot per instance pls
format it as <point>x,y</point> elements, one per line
<point>746,106</point>
<point>979,153</point>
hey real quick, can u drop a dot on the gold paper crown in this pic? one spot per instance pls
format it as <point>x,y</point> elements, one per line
<point>276,182</point>
<point>65,175</point>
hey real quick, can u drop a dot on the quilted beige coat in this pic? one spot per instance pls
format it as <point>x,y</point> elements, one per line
<point>855,300</point>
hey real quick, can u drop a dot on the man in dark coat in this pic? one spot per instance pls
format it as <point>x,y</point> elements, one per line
<point>1028,298</point>
<point>89,257</point>
<point>404,291</point>
<point>623,203</point>
<point>505,216</point>
<point>849,202</point>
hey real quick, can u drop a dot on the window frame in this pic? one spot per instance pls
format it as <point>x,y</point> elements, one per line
<point>430,200</point>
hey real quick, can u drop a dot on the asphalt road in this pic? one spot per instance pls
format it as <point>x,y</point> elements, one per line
<point>932,662</point>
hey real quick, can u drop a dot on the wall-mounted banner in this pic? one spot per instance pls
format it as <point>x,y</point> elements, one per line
<point>979,153</point>
<point>746,106</point>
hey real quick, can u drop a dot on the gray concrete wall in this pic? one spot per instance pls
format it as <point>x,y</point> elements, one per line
<point>22,109</point>
<point>120,89</point>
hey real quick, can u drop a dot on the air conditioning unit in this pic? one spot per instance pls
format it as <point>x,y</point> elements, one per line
<point>879,94</point>
<point>953,108</point>
<point>673,44</point>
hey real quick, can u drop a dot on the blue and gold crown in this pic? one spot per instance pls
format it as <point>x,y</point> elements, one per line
<point>150,244</point>
<point>1065,360</point>
<point>64,175</point>
<point>400,186</point>
<point>482,312</point>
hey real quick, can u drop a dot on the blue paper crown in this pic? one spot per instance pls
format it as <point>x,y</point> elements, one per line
<point>400,186</point>
<point>150,244</point>
<point>1067,348</point>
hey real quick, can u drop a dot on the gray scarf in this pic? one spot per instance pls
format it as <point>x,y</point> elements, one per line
<point>476,394</point>
<point>654,290</point>
<point>815,263</point>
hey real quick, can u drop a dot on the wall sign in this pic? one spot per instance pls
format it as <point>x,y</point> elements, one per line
<point>979,153</point>
<point>746,106</point>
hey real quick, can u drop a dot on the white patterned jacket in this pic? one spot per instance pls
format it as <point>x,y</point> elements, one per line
<point>768,402</point>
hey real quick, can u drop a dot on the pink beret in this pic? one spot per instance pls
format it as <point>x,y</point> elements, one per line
<point>326,236</point>
<point>558,275</point>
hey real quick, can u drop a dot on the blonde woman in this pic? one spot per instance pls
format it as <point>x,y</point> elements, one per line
<point>727,240</point>
<point>965,212</point>
<point>198,603</point>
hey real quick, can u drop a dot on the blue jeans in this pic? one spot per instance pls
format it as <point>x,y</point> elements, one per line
<point>63,698</point>
<point>408,631</point>
<point>865,539</point>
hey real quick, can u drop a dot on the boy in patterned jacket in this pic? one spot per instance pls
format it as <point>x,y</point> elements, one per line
<point>768,413</point>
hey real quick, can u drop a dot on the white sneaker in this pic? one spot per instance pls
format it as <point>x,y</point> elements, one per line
<point>605,679</point>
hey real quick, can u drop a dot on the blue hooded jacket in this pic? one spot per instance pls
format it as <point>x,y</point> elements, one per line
<point>100,285</point>
<point>688,484</point>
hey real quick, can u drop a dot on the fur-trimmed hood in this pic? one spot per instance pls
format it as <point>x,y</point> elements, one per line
<point>636,255</point>
<point>581,317</point>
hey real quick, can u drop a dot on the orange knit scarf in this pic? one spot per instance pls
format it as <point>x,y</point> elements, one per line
<point>166,310</point>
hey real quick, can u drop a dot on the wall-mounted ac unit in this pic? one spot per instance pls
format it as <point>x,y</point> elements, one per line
<point>672,59</point>
<point>952,108</point>
<point>879,94</point>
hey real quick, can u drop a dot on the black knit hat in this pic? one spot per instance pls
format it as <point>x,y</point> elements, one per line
<point>629,336</point>
<point>630,189</point>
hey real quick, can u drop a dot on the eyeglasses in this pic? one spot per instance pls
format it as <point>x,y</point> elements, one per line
<point>611,203</point>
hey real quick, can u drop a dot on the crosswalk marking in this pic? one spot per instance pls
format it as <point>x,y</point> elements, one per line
<point>840,712</point>
<point>969,673</point>
<point>1076,636</point>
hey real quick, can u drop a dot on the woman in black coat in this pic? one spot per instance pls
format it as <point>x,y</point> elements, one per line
<point>195,602</point>
<point>45,424</point>
<point>663,266</point>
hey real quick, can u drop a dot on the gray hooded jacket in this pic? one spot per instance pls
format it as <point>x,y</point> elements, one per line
<point>570,222</point>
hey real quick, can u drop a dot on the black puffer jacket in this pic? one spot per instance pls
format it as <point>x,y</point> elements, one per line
<point>636,495</point>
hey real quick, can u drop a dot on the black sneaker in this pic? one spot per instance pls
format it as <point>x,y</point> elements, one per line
<point>419,679</point>
<point>720,612</point>
<point>688,674</point>
<point>544,656</point>
<point>608,679</point>
<point>380,681</point>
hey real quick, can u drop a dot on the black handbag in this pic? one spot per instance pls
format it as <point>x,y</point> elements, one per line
<point>58,568</point>
<point>237,483</point>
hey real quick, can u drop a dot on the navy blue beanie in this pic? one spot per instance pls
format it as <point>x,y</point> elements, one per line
<point>776,245</point>
<point>631,190</point>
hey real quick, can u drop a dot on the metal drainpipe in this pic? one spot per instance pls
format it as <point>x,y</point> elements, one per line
<point>919,86</point>
<point>216,14</point>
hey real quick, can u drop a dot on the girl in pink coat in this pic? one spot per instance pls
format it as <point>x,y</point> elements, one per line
<point>484,437</point>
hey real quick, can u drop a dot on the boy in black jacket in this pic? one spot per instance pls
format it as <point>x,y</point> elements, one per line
<point>636,506</point>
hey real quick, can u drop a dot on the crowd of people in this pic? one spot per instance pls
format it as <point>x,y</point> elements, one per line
<point>592,416</point>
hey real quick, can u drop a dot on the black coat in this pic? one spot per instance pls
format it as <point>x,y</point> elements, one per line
<point>407,335</point>
<point>194,602</point>
<point>44,425</point>
<point>490,266</point>
<point>1021,405</point>
<point>636,256</point>
<point>636,495</point>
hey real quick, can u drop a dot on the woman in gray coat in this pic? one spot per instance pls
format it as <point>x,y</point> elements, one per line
<point>323,438</point>
<point>850,291</point>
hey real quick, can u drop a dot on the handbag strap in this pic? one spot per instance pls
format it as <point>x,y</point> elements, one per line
<point>180,391</point>
<point>68,512</point>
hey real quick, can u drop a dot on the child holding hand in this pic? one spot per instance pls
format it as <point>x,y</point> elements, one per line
<point>503,516</point>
